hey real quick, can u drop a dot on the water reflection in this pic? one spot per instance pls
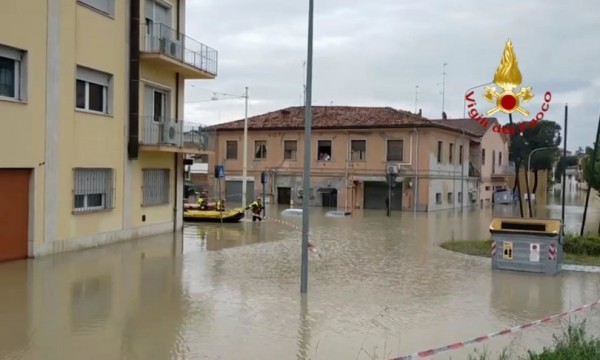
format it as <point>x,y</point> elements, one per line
<point>232,290</point>
<point>105,303</point>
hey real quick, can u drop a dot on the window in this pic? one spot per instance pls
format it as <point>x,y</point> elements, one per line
<point>439,152</point>
<point>438,198</point>
<point>92,90</point>
<point>395,150</point>
<point>12,71</point>
<point>324,150</point>
<point>290,148</point>
<point>93,189</point>
<point>359,150</point>
<point>450,198</point>
<point>156,187</point>
<point>260,150</point>
<point>460,154</point>
<point>231,150</point>
<point>500,158</point>
<point>450,153</point>
<point>104,6</point>
<point>157,104</point>
<point>482,156</point>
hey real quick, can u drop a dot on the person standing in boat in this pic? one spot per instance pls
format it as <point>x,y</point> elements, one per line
<point>257,208</point>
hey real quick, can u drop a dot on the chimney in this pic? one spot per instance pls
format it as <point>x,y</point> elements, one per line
<point>420,112</point>
<point>444,116</point>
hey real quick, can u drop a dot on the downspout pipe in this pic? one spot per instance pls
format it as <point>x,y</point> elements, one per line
<point>457,158</point>
<point>134,81</point>
<point>416,191</point>
<point>176,157</point>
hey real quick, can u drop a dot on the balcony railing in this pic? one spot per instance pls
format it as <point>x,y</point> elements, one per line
<point>161,39</point>
<point>503,170</point>
<point>160,131</point>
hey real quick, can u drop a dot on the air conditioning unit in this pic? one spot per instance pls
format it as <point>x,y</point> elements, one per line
<point>393,169</point>
<point>169,133</point>
<point>171,48</point>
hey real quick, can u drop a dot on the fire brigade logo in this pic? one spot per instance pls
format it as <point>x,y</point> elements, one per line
<point>509,97</point>
<point>508,78</point>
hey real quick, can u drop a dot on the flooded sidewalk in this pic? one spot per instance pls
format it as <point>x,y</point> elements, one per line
<point>383,289</point>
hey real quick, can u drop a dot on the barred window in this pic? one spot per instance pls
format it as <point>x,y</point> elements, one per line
<point>93,189</point>
<point>156,187</point>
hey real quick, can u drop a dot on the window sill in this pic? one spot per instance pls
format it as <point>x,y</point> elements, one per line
<point>13,100</point>
<point>260,159</point>
<point>83,212</point>
<point>92,112</point>
<point>98,11</point>
<point>324,161</point>
<point>290,159</point>
<point>231,159</point>
<point>155,205</point>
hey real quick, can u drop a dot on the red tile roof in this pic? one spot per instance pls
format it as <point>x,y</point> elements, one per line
<point>468,125</point>
<point>336,117</point>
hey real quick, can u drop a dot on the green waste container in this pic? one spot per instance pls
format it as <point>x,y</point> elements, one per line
<point>530,245</point>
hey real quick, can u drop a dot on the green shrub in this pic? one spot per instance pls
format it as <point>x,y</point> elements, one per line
<point>582,245</point>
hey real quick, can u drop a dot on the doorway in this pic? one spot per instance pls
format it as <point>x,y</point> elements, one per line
<point>14,207</point>
<point>284,195</point>
<point>329,198</point>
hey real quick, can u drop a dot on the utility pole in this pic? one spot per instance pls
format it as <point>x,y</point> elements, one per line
<point>245,152</point>
<point>307,159</point>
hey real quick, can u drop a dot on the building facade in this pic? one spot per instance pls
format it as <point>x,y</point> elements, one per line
<point>92,94</point>
<point>353,150</point>
<point>489,166</point>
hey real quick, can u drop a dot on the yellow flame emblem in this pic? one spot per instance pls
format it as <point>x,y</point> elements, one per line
<point>508,77</point>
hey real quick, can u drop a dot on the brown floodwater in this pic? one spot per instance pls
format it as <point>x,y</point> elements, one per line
<point>383,289</point>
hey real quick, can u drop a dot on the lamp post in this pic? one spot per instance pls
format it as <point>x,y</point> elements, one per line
<point>465,97</point>
<point>391,178</point>
<point>245,141</point>
<point>307,159</point>
<point>527,175</point>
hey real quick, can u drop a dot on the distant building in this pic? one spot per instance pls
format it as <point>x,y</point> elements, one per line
<point>353,149</point>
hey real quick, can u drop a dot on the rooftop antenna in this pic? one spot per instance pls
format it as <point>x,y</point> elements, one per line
<point>443,86</point>
<point>416,97</point>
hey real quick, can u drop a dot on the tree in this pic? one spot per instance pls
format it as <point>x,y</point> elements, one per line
<point>594,181</point>
<point>560,166</point>
<point>545,134</point>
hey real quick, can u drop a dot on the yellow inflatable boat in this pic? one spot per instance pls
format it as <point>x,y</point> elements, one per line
<point>228,216</point>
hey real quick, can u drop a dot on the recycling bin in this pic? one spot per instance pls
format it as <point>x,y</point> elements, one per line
<point>529,245</point>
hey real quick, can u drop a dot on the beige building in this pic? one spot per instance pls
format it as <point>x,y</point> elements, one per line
<point>489,163</point>
<point>353,150</point>
<point>92,99</point>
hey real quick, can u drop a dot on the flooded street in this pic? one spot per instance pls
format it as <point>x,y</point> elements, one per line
<point>383,289</point>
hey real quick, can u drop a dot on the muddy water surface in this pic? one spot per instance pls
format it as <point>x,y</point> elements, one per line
<point>383,289</point>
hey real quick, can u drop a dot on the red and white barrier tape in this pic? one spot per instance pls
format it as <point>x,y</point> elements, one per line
<point>311,246</point>
<point>512,330</point>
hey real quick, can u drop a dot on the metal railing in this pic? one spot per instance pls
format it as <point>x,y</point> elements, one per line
<point>159,38</point>
<point>157,130</point>
<point>504,170</point>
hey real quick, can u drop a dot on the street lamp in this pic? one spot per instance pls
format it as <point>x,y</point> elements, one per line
<point>527,174</point>
<point>245,152</point>
<point>465,97</point>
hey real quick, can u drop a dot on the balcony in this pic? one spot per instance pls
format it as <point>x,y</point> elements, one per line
<point>167,48</point>
<point>502,171</point>
<point>161,134</point>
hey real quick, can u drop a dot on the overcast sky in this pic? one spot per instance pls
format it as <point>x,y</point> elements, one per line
<point>374,53</point>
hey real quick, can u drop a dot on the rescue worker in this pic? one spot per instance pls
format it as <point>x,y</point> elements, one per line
<point>257,208</point>
<point>220,205</point>
<point>203,200</point>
